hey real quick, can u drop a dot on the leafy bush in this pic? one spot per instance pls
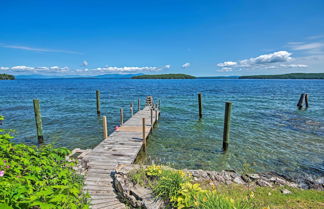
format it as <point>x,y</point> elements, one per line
<point>32,177</point>
<point>177,187</point>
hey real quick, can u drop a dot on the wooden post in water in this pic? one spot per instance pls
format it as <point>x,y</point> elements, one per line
<point>152,118</point>
<point>38,119</point>
<point>227,124</point>
<point>306,100</point>
<point>104,126</point>
<point>121,116</point>
<point>200,105</point>
<point>156,115</point>
<point>159,103</point>
<point>131,109</point>
<point>98,101</point>
<point>301,101</point>
<point>144,138</point>
<point>139,104</point>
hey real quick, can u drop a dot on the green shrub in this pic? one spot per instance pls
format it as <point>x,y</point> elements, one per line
<point>32,177</point>
<point>177,187</point>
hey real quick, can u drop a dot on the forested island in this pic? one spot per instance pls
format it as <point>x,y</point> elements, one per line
<point>286,76</point>
<point>7,77</point>
<point>165,76</point>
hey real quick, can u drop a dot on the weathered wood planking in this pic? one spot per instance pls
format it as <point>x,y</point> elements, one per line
<point>121,147</point>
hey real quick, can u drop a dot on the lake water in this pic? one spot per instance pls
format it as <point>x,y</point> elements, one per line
<point>268,132</point>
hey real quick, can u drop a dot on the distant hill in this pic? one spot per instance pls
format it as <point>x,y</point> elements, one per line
<point>164,76</point>
<point>286,76</point>
<point>7,77</point>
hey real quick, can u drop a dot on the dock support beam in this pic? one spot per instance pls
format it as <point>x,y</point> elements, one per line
<point>121,116</point>
<point>139,104</point>
<point>151,117</point>
<point>227,123</point>
<point>38,119</point>
<point>98,101</point>
<point>200,105</point>
<point>144,137</point>
<point>306,100</point>
<point>131,109</point>
<point>104,126</point>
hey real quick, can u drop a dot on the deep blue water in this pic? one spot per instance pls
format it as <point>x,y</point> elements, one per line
<point>268,132</point>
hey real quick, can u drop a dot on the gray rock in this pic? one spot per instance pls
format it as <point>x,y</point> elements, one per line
<point>238,180</point>
<point>263,183</point>
<point>285,191</point>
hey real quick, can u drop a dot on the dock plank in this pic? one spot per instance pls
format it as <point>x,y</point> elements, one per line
<point>121,147</point>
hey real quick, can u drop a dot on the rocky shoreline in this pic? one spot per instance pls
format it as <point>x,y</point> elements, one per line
<point>139,196</point>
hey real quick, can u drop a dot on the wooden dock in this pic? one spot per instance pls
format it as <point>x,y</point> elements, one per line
<point>121,147</point>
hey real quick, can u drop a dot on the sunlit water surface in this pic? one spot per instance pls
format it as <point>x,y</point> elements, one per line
<point>268,133</point>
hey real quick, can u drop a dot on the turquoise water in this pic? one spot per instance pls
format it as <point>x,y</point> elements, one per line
<point>268,132</point>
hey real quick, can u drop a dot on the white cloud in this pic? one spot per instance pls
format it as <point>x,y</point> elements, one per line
<point>23,68</point>
<point>95,71</point>
<point>186,65</point>
<point>167,66</point>
<point>226,64</point>
<point>275,60</point>
<point>294,65</point>
<point>28,48</point>
<point>85,63</point>
<point>305,46</point>
<point>280,56</point>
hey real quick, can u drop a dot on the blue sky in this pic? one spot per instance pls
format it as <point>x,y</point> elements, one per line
<point>201,38</point>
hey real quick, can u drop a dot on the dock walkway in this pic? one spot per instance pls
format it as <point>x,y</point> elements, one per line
<point>121,147</point>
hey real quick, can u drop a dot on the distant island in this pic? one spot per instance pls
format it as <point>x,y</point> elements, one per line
<point>164,76</point>
<point>7,77</point>
<point>286,76</point>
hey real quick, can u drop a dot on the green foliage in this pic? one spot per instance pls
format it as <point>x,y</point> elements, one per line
<point>177,189</point>
<point>7,77</point>
<point>286,76</point>
<point>164,76</point>
<point>169,184</point>
<point>32,177</point>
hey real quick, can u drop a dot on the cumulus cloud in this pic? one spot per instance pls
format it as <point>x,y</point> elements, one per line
<point>227,64</point>
<point>275,60</point>
<point>280,56</point>
<point>94,71</point>
<point>23,68</point>
<point>186,65</point>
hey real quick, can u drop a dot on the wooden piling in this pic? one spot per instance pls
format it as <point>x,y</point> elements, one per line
<point>98,101</point>
<point>38,119</point>
<point>227,123</point>
<point>156,115</point>
<point>306,100</point>
<point>131,109</point>
<point>144,137</point>
<point>139,104</point>
<point>151,116</point>
<point>200,105</point>
<point>301,101</point>
<point>104,126</point>
<point>159,103</point>
<point>121,116</point>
